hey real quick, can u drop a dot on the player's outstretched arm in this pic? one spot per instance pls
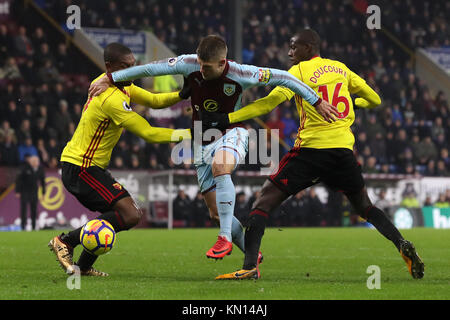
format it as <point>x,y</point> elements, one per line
<point>184,64</point>
<point>141,128</point>
<point>275,77</point>
<point>255,109</point>
<point>258,108</point>
<point>368,98</point>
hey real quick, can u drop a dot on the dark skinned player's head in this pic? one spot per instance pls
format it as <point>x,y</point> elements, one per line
<point>212,56</point>
<point>118,57</point>
<point>304,45</point>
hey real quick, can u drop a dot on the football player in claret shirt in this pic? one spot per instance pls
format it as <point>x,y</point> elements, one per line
<point>323,151</point>
<point>86,156</point>
<point>217,85</point>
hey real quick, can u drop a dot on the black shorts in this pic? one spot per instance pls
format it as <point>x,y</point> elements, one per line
<point>301,168</point>
<point>94,187</point>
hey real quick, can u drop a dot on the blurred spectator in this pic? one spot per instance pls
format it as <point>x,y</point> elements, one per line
<point>165,83</point>
<point>27,183</point>
<point>24,130</point>
<point>441,169</point>
<point>426,151</point>
<point>26,148</point>
<point>428,202</point>
<point>182,208</point>
<point>22,44</point>
<point>410,201</point>
<point>316,210</point>
<point>117,163</point>
<point>6,130</point>
<point>296,209</point>
<point>240,208</point>
<point>430,169</point>
<point>200,212</point>
<point>442,201</point>
<point>382,202</point>
<point>10,70</point>
<point>8,151</point>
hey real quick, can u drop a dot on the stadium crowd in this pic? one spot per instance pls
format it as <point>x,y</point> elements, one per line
<point>43,87</point>
<point>407,134</point>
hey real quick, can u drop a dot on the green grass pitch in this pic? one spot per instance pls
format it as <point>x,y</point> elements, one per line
<point>300,263</point>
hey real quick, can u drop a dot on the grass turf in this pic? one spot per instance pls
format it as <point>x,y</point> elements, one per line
<point>300,263</point>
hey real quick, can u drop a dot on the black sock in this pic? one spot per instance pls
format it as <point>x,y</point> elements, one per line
<point>113,217</point>
<point>380,221</point>
<point>86,260</point>
<point>72,238</point>
<point>253,234</point>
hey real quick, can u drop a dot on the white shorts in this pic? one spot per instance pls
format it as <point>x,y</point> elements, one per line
<point>234,141</point>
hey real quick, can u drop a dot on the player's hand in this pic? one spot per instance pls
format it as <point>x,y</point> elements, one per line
<point>327,111</point>
<point>186,90</point>
<point>99,86</point>
<point>213,120</point>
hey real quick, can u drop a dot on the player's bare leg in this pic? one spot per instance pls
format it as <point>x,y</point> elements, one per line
<point>270,198</point>
<point>364,207</point>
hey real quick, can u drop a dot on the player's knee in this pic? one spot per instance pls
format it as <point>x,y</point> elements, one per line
<point>132,217</point>
<point>262,204</point>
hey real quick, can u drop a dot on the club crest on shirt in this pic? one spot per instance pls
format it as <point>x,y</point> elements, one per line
<point>117,186</point>
<point>229,89</point>
<point>126,106</point>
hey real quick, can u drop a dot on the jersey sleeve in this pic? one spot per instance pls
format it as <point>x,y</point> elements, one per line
<point>259,107</point>
<point>141,128</point>
<point>251,76</point>
<point>355,82</point>
<point>184,65</point>
<point>117,109</point>
<point>368,98</point>
<point>288,93</point>
<point>153,100</point>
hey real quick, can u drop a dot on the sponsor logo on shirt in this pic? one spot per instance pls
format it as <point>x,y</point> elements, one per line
<point>210,105</point>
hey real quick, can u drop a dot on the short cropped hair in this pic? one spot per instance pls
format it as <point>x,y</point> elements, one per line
<point>211,47</point>
<point>309,36</point>
<point>114,51</point>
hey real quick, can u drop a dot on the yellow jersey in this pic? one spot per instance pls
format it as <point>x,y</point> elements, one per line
<point>100,126</point>
<point>334,82</point>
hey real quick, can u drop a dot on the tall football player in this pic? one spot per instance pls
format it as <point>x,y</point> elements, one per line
<point>323,151</point>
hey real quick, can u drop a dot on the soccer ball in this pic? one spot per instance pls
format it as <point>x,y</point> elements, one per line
<point>98,236</point>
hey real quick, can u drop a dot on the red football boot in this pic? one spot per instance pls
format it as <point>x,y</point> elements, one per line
<point>222,248</point>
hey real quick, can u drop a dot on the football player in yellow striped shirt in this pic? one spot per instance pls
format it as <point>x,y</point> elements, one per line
<point>86,156</point>
<point>323,150</point>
